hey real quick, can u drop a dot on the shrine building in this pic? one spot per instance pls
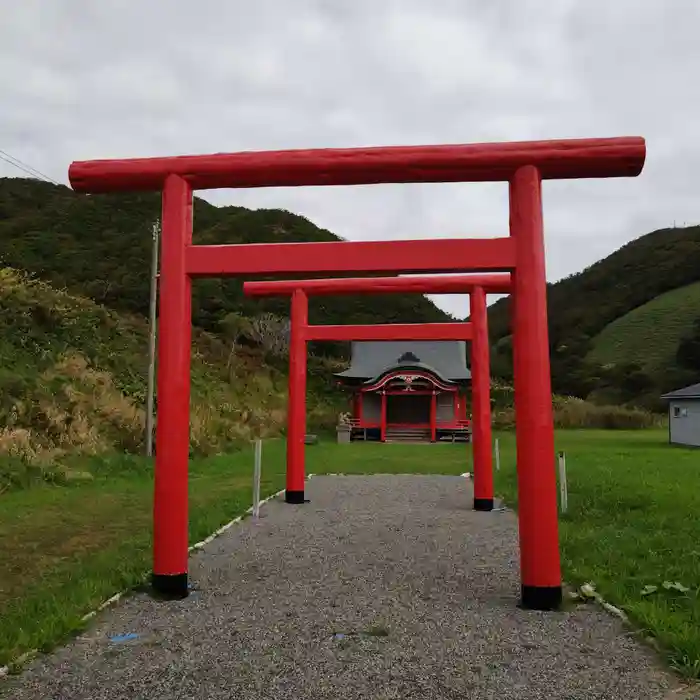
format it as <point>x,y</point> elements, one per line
<point>408,391</point>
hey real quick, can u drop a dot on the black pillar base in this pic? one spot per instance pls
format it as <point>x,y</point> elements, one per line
<point>296,497</point>
<point>483,504</point>
<point>173,586</point>
<point>541,597</point>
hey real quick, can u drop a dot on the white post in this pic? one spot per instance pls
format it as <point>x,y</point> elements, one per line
<point>498,456</point>
<point>563,489</point>
<point>256,477</point>
<point>152,340</point>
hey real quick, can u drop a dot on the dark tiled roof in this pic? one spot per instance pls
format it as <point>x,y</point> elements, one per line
<point>689,392</point>
<point>447,358</point>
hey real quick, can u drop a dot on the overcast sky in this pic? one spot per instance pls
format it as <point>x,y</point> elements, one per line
<point>82,79</point>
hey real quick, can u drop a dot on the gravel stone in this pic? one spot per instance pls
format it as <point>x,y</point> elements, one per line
<point>381,587</point>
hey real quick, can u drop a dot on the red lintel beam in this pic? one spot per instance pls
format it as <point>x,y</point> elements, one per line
<point>384,257</point>
<point>457,284</point>
<point>479,162</point>
<point>396,331</point>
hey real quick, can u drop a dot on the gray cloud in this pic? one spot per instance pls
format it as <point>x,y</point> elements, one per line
<point>118,79</point>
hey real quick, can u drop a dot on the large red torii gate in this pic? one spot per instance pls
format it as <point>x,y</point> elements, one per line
<point>522,164</point>
<point>477,286</point>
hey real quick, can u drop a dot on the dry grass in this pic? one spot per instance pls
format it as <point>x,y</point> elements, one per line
<point>571,412</point>
<point>73,384</point>
<point>19,443</point>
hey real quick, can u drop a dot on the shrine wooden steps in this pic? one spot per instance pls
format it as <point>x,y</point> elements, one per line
<point>407,435</point>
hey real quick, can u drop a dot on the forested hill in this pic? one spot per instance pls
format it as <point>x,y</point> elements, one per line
<point>583,305</point>
<point>99,246</point>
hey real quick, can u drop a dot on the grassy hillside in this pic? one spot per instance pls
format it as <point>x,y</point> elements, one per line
<point>650,334</point>
<point>74,286</point>
<point>73,363</point>
<point>583,305</point>
<point>73,383</point>
<point>99,246</point>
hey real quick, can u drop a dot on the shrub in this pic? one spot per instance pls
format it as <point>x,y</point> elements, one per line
<point>574,413</point>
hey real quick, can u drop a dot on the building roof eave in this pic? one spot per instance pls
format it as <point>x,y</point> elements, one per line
<point>370,359</point>
<point>688,392</point>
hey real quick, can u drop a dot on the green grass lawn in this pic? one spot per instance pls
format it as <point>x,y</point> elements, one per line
<point>649,334</point>
<point>631,524</point>
<point>66,549</point>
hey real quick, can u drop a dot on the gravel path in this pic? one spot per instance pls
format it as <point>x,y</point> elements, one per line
<point>381,587</point>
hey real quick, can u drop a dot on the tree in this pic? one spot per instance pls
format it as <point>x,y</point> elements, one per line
<point>634,381</point>
<point>572,374</point>
<point>235,327</point>
<point>271,333</point>
<point>688,353</point>
<point>502,358</point>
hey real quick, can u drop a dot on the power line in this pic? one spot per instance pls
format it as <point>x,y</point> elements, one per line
<point>29,172</point>
<point>13,160</point>
<point>21,165</point>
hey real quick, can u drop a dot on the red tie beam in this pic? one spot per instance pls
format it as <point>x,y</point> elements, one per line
<point>395,331</point>
<point>522,164</point>
<point>477,286</point>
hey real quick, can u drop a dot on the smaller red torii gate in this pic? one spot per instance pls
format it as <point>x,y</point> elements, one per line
<point>297,376</point>
<point>477,286</point>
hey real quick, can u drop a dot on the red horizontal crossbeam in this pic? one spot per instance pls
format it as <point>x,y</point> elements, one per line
<point>397,331</point>
<point>480,162</point>
<point>458,284</point>
<point>435,255</point>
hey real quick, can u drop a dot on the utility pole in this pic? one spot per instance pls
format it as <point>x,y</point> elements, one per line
<point>152,339</point>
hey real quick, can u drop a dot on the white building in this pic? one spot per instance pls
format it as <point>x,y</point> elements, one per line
<point>684,416</point>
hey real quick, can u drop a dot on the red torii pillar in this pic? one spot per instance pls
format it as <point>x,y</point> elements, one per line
<point>522,164</point>
<point>534,425</point>
<point>296,405</point>
<point>475,285</point>
<point>481,402</point>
